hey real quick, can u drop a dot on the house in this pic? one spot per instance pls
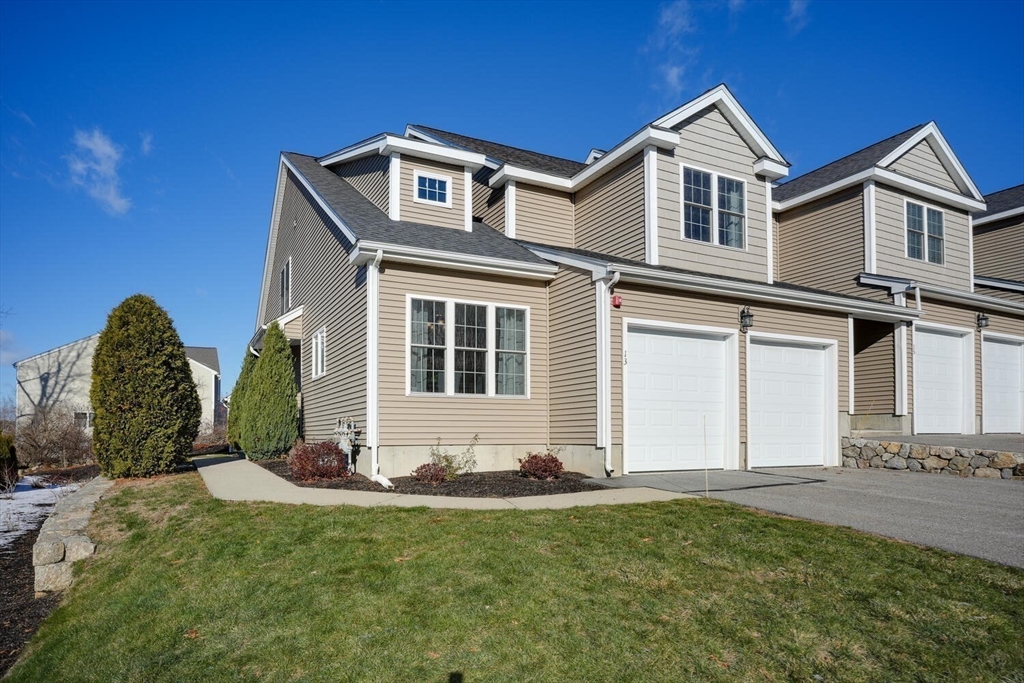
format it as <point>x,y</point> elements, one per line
<point>63,377</point>
<point>999,245</point>
<point>897,221</point>
<point>630,310</point>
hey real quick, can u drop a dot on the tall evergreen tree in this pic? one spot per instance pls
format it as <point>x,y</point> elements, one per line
<point>237,406</point>
<point>145,400</point>
<point>270,419</point>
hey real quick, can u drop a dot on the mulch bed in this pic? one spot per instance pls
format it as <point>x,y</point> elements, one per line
<point>505,484</point>
<point>20,611</point>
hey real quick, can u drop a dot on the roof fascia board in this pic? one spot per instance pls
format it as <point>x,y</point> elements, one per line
<point>841,184</point>
<point>989,302</point>
<point>57,348</point>
<point>413,131</point>
<point>286,318</point>
<point>864,309</point>
<point>1009,213</point>
<point>342,225</point>
<point>770,169</point>
<point>366,251</point>
<point>736,115</point>
<point>597,268</point>
<point>384,144</point>
<point>275,220</point>
<point>665,139</point>
<point>996,283</point>
<point>888,177</point>
<point>949,160</point>
<point>358,150</point>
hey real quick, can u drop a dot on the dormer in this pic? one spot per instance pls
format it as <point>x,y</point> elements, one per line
<point>411,180</point>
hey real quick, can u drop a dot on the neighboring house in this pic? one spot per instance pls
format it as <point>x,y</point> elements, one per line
<point>630,311</point>
<point>893,222</point>
<point>999,245</point>
<point>63,377</point>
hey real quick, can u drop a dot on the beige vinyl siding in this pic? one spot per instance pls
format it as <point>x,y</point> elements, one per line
<point>333,294</point>
<point>922,163</point>
<point>821,244</point>
<point>573,358</point>
<point>544,215</point>
<point>649,303</point>
<point>874,367</point>
<point>1017,297</point>
<point>371,176</point>
<point>999,250</point>
<point>610,212</point>
<point>965,317</point>
<point>432,214</point>
<point>488,203</point>
<point>891,250</point>
<point>709,142</point>
<point>421,419</point>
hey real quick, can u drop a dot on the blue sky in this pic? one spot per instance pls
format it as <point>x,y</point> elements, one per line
<point>139,142</point>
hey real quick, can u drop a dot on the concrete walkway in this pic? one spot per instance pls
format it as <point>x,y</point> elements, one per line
<point>979,517</point>
<point>233,479</point>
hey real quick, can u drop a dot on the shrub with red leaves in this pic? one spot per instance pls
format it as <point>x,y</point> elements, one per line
<point>541,466</point>
<point>322,460</point>
<point>430,473</point>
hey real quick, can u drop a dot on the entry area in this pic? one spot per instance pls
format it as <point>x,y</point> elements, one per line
<point>1002,381</point>
<point>680,398</point>
<point>943,380</point>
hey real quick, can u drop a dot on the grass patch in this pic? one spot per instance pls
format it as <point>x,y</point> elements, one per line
<point>187,587</point>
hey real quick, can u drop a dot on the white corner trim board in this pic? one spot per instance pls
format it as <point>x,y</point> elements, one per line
<point>467,180</point>
<point>770,229</point>
<point>395,187</point>
<point>869,227</point>
<point>651,204</point>
<point>510,209</point>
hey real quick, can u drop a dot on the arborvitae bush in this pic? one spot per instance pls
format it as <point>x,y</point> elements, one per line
<point>270,419</point>
<point>147,408</point>
<point>237,406</point>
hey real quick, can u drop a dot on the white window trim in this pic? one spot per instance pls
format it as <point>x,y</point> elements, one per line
<point>288,299</point>
<point>417,174</point>
<point>319,345</point>
<point>906,242</point>
<point>715,175</point>
<point>449,354</point>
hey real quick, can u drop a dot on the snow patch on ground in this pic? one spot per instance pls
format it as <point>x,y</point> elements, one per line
<point>25,509</point>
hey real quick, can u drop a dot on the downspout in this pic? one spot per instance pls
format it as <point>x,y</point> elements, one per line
<point>372,388</point>
<point>604,331</point>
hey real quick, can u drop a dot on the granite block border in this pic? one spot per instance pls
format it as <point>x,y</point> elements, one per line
<point>62,540</point>
<point>915,457</point>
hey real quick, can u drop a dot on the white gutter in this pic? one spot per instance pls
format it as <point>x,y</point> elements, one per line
<point>996,283</point>
<point>386,143</point>
<point>1009,213</point>
<point>365,251</point>
<point>980,300</point>
<point>889,178</point>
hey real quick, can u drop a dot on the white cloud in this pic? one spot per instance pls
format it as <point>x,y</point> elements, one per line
<point>93,165</point>
<point>796,17</point>
<point>146,146</point>
<point>676,19</point>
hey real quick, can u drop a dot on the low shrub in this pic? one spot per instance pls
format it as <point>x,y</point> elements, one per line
<point>321,460</point>
<point>8,463</point>
<point>541,466</point>
<point>455,465</point>
<point>54,438</point>
<point>430,473</point>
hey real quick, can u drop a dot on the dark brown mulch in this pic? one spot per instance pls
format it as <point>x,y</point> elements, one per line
<point>505,484</point>
<point>20,611</point>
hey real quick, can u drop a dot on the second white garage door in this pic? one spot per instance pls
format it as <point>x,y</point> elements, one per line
<point>1002,375</point>
<point>675,388</point>
<point>938,382</point>
<point>787,421</point>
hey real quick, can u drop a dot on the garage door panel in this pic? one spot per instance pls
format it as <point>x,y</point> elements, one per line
<point>1002,386</point>
<point>939,391</point>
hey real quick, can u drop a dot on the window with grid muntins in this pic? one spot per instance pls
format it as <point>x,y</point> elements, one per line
<point>925,234</point>
<point>697,207</point>
<point>935,236</point>
<point>432,189</point>
<point>470,349</point>
<point>731,211</point>
<point>510,346</point>
<point>427,335</point>
<point>915,231</point>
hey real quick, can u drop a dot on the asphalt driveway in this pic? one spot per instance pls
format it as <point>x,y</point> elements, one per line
<point>979,517</point>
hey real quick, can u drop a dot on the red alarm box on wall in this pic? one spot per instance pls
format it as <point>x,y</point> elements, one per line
<point>616,301</point>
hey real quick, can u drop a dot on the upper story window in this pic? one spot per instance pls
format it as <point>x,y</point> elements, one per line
<point>714,208</point>
<point>84,420</point>
<point>925,233</point>
<point>320,352</point>
<point>286,286</point>
<point>431,188</point>
<point>483,353</point>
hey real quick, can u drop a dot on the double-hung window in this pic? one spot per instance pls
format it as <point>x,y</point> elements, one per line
<point>925,235</point>
<point>467,348</point>
<point>320,352</point>
<point>430,188</point>
<point>714,208</point>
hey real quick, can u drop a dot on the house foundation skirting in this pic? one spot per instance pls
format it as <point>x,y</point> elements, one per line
<point>400,461</point>
<point>963,462</point>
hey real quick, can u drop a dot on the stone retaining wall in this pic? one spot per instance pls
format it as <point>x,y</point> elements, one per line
<point>62,540</point>
<point>915,457</point>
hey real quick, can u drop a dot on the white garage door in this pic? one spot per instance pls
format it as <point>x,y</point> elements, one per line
<point>675,384</point>
<point>938,382</point>
<point>786,424</point>
<point>1002,374</point>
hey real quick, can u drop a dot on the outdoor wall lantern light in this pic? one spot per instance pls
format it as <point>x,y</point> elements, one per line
<point>982,321</point>
<point>746,319</point>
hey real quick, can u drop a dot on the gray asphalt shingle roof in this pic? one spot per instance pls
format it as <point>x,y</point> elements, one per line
<point>842,168</point>
<point>207,355</point>
<point>370,223</point>
<point>524,158</point>
<point>1004,200</point>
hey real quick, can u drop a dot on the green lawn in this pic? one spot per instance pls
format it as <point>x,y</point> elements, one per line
<point>189,588</point>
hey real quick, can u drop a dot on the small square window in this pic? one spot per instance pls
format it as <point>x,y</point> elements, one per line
<point>432,189</point>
